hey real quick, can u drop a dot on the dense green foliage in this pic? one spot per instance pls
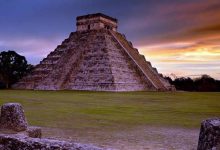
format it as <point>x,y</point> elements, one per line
<point>106,110</point>
<point>12,68</point>
<point>203,84</point>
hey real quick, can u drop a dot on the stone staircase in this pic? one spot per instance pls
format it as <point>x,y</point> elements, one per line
<point>72,73</point>
<point>143,65</point>
<point>125,73</point>
<point>93,71</point>
<point>59,73</point>
<point>42,70</point>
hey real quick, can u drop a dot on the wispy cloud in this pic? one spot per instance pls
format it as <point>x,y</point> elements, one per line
<point>181,37</point>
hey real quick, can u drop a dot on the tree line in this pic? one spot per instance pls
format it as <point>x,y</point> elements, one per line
<point>14,66</point>
<point>205,83</point>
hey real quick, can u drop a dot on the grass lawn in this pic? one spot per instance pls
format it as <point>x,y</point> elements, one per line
<point>82,110</point>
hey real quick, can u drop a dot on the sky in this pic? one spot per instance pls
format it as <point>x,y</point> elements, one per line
<point>179,37</point>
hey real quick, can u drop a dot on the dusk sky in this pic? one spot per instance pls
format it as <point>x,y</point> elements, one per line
<point>178,36</point>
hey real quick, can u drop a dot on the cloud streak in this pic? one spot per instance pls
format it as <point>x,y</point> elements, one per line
<point>181,37</point>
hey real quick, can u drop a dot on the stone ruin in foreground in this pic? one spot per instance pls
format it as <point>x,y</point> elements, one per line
<point>24,137</point>
<point>15,134</point>
<point>96,57</point>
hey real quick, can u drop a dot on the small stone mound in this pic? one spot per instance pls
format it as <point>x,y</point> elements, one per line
<point>12,117</point>
<point>209,138</point>
<point>34,132</point>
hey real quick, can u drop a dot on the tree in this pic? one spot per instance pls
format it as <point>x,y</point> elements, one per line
<point>169,80</point>
<point>206,83</point>
<point>13,67</point>
<point>186,84</point>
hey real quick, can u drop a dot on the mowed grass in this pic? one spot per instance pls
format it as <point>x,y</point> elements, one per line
<point>88,110</point>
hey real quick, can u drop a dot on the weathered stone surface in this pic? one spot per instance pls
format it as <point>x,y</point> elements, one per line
<point>97,59</point>
<point>12,117</point>
<point>19,142</point>
<point>209,138</point>
<point>16,135</point>
<point>96,21</point>
<point>34,132</point>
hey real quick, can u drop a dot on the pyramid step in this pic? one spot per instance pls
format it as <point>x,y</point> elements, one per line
<point>141,63</point>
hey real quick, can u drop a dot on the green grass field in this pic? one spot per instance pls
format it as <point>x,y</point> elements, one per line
<point>81,110</point>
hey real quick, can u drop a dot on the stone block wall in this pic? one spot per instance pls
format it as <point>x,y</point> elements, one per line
<point>96,22</point>
<point>21,142</point>
<point>12,117</point>
<point>209,138</point>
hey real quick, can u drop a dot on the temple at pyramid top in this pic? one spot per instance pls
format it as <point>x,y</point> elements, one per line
<point>95,22</point>
<point>97,58</point>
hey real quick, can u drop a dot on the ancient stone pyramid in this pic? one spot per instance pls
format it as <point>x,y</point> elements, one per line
<point>95,57</point>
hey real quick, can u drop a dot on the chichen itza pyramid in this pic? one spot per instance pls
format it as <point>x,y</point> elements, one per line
<point>96,57</point>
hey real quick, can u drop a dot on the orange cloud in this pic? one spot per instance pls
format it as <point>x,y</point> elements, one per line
<point>190,49</point>
<point>180,58</point>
